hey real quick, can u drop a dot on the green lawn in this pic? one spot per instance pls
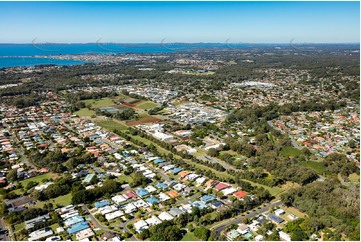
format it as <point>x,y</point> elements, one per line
<point>354,177</point>
<point>189,237</point>
<point>104,102</point>
<point>124,178</point>
<point>273,190</point>
<point>18,191</point>
<point>147,105</point>
<point>294,211</point>
<point>19,227</point>
<point>111,125</point>
<point>290,151</point>
<point>314,165</point>
<point>54,227</point>
<point>234,154</point>
<point>39,178</point>
<point>85,112</point>
<point>61,200</point>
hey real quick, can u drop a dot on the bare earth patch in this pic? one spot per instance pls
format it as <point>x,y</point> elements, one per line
<point>143,121</point>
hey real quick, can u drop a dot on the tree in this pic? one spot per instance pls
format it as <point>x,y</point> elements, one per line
<point>213,152</point>
<point>80,196</point>
<point>2,208</point>
<point>12,175</point>
<point>31,184</point>
<point>352,143</point>
<point>145,234</point>
<point>202,233</point>
<point>298,235</point>
<point>127,235</point>
<point>245,220</point>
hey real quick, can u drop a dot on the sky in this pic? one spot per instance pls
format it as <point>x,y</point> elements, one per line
<point>152,22</point>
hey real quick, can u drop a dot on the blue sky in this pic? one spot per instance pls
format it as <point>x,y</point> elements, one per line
<point>140,22</point>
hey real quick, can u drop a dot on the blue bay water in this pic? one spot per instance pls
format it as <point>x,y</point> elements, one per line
<point>30,61</point>
<point>12,55</point>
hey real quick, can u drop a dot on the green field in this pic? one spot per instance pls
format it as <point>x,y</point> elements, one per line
<point>314,165</point>
<point>189,237</point>
<point>61,200</point>
<point>38,179</point>
<point>354,177</point>
<point>294,211</point>
<point>273,190</point>
<point>54,227</point>
<point>85,112</point>
<point>234,154</point>
<point>290,151</point>
<point>19,227</point>
<point>104,102</point>
<point>124,178</point>
<point>111,125</point>
<point>147,105</point>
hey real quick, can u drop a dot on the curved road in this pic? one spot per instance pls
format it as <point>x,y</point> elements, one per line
<point>218,228</point>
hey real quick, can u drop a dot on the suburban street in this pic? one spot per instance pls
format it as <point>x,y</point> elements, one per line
<point>222,163</point>
<point>293,142</point>
<point>95,221</point>
<point>220,227</point>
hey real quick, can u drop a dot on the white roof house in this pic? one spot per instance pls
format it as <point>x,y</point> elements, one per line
<point>150,189</point>
<point>84,234</point>
<point>284,236</point>
<point>165,216</point>
<point>119,199</point>
<point>228,191</point>
<point>146,172</point>
<point>187,208</point>
<point>179,187</point>
<point>43,186</point>
<point>141,204</point>
<point>107,209</point>
<point>129,208</point>
<point>150,175</point>
<point>153,221</point>
<point>54,238</point>
<point>163,197</point>
<point>279,212</point>
<point>162,136</point>
<point>192,176</point>
<point>38,234</point>
<point>140,225</point>
<point>114,215</point>
<point>168,167</point>
<point>69,214</point>
<point>67,208</point>
<point>200,180</point>
<point>243,229</point>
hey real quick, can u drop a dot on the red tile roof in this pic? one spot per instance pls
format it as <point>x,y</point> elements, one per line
<point>131,195</point>
<point>240,194</point>
<point>221,186</point>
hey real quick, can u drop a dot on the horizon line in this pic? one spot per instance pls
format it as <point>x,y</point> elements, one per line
<point>42,43</point>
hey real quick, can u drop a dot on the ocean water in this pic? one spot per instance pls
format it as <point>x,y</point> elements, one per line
<point>31,61</point>
<point>12,55</point>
